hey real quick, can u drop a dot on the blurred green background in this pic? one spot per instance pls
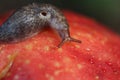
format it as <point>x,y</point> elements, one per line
<point>104,11</point>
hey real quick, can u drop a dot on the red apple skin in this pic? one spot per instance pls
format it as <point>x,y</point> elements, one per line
<point>39,58</point>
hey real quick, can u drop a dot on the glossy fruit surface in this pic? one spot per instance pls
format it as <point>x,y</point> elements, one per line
<point>39,58</point>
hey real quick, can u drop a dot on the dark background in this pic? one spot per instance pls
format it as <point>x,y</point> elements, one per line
<point>104,11</point>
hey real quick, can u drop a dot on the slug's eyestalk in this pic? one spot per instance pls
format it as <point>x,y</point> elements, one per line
<point>65,35</point>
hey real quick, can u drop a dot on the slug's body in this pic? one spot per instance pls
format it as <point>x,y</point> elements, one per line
<point>30,20</point>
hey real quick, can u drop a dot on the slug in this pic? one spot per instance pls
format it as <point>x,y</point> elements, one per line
<point>29,20</point>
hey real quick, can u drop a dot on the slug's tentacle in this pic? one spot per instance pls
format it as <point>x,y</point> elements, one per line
<point>65,35</point>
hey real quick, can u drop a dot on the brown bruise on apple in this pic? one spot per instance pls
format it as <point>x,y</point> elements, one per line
<point>97,58</point>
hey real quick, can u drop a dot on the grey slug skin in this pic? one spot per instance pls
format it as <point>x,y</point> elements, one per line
<point>29,20</point>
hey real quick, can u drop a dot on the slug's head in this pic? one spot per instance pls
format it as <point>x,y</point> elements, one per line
<point>53,16</point>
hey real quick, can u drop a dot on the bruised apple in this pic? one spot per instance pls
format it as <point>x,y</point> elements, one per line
<point>39,58</point>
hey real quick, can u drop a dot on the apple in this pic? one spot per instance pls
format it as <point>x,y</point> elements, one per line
<point>39,58</point>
